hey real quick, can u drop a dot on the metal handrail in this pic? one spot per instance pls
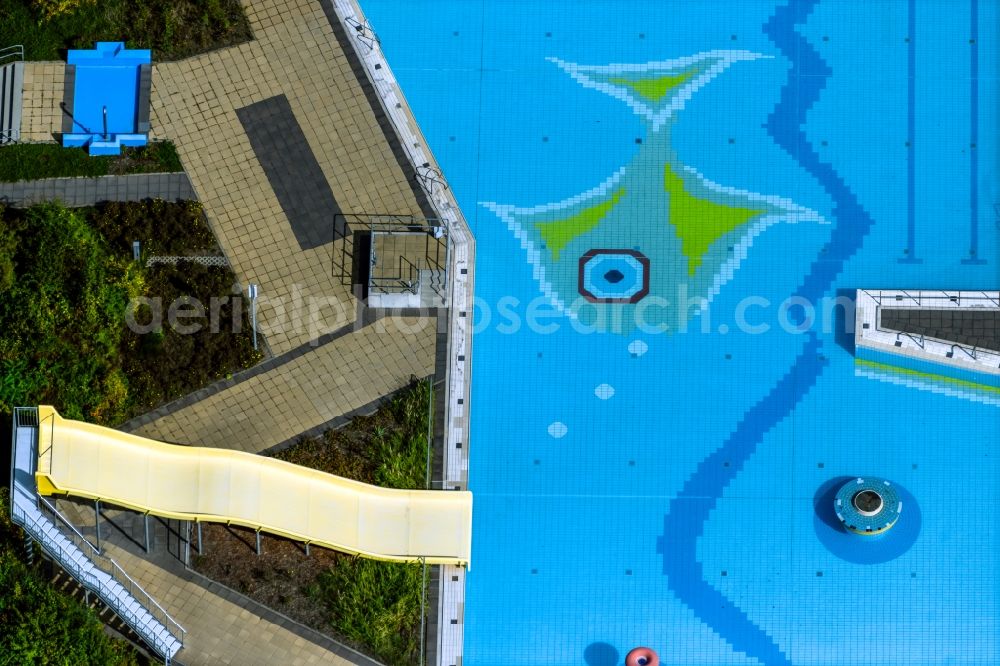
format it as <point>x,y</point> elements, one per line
<point>366,34</point>
<point>15,52</point>
<point>116,571</point>
<point>27,417</point>
<point>973,351</point>
<point>10,136</point>
<point>414,274</point>
<point>87,579</point>
<point>394,283</point>
<point>902,298</point>
<point>428,174</point>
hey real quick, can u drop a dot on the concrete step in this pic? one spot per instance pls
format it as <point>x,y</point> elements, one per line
<point>11,93</point>
<point>113,593</point>
<point>432,289</point>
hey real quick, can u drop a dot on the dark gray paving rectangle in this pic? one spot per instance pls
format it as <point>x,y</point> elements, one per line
<point>975,328</point>
<point>291,167</point>
<point>88,191</point>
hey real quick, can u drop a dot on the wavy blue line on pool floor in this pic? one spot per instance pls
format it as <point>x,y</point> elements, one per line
<point>807,79</point>
<point>685,521</point>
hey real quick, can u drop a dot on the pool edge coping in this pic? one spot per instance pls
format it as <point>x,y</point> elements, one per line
<point>461,277</point>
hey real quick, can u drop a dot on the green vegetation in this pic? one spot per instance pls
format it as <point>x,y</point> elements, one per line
<point>31,161</point>
<point>66,280</point>
<point>373,605</point>
<point>42,625</point>
<point>376,604</point>
<point>387,449</point>
<point>173,29</point>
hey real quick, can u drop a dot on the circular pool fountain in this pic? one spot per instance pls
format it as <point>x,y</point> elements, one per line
<point>867,506</point>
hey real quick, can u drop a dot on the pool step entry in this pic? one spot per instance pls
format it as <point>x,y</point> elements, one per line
<point>432,288</point>
<point>11,92</point>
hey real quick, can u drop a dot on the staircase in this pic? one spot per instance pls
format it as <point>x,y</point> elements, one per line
<point>11,90</point>
<point>433,285</point>
<point>76,556</point>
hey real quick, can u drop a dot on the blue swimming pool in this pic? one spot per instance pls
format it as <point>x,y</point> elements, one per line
<point>670,489</point>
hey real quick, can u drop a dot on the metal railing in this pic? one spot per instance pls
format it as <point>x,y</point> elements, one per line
<point>906,300</point>
<point>365,32</point>
<point>902,298</point>
<point>429,176</point>
<point>434,255</point>
<point>406,279</point>
<point>25,417</point>
<point>119,575</point>
<point>979,354</point>
<point>12,54</point>
<point>10,136</point>
<point>92,582</point>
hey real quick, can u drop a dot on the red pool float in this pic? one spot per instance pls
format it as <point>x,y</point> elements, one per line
<point>642,656</point>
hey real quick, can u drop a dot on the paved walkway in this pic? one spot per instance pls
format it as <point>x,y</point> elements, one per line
<point>88,191</point>
<point>224,627</point>
<point>41,116</point>
<point>311,389</point>
<point>196,103</point>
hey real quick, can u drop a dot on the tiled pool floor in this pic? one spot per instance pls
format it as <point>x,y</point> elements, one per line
<point>671,489</point>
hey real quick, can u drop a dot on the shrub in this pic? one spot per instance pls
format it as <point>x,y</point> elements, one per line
<point>171,28</point>
<point>31,161</point>
<point>60,320</point>
<point>8,245</point>
<point>161,227</point>
<point>166,364</point>
<point>376,604</point>
<point>49,9</point>
<point>63,338</point>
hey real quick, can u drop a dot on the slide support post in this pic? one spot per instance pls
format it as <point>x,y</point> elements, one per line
<point>97,522</point>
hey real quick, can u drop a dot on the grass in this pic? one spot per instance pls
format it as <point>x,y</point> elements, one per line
<point>67,279</point>
<point>31,161</point>
<point>173,29</point>
<point>42,625</point>
<point>371,604</point>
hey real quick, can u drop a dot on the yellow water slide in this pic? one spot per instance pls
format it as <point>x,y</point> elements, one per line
<point>218,485</point>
